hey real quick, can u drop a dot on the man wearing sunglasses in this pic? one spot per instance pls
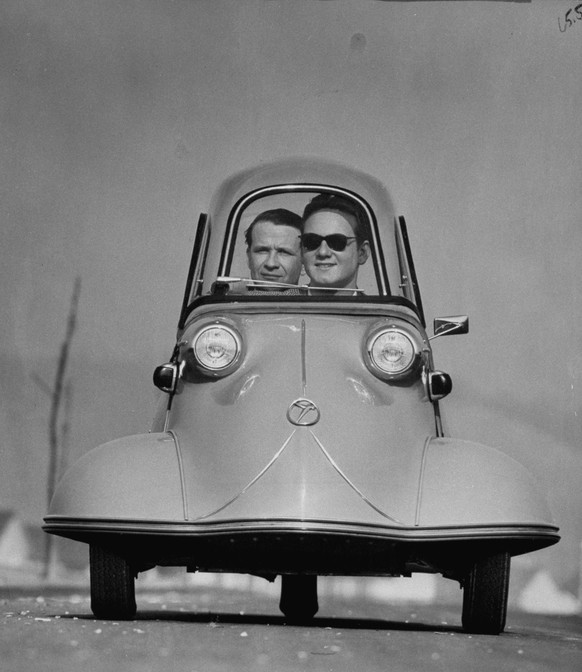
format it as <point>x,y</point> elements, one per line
<point>334,244</point>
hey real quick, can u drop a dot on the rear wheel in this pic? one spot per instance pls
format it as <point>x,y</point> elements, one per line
<point>298,597</point>
<point>485,593</point>
<point>112,585</point>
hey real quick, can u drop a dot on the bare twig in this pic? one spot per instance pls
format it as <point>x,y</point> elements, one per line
<point>56,398</point>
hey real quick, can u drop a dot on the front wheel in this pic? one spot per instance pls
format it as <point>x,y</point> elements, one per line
<point>485,593</point>
<point>298,597</point>
<point>112,585</point>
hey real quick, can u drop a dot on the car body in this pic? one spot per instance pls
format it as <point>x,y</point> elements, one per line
<point>301,435</point>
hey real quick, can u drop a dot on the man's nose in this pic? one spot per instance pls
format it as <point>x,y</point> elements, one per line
<point>272,260</point>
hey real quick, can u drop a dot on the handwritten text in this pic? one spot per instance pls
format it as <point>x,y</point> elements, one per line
<point>570,17</point>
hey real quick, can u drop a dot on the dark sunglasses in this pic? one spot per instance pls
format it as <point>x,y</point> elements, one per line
<point>335,241</point>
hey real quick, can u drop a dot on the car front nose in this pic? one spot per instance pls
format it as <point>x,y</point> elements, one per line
<point>302,430</point>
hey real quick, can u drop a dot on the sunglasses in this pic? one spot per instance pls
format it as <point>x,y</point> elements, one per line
<point>335,241</point>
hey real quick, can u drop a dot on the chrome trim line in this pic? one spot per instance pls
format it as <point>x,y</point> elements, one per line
<point>352,486</point>
<point>182,475</point>
<point>303,358</point>
<point>468,532</point>
<point>421,479</point>
<point>250,483</point>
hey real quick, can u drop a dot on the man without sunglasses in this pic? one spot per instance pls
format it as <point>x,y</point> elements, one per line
<point>334,244</point>
<point>273,251</point>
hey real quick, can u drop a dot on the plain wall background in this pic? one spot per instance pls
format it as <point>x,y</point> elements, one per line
<point>118,121</point>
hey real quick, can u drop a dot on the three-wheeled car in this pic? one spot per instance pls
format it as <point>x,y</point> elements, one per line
<point>299,434</point>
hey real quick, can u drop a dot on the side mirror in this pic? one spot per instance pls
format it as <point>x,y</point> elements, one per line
<point>439,385</point>
<point>166,377</point>
<point>443,326</point>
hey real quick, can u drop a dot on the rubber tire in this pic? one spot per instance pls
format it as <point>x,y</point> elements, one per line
<point>485,593</point>
<point>112,585</point>
<point>298,597</point>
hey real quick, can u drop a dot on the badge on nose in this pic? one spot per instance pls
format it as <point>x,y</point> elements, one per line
<point>303,413</point>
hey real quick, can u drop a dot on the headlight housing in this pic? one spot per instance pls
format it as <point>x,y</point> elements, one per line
<point>393,352</point>
<point>217,349</point>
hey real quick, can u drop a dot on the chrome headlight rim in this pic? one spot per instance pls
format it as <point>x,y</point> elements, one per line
<point>412,359</point>
<point>232,361</point>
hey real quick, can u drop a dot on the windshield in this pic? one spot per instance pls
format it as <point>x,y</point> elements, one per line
<point>235,262</point>
<point>221,256</point>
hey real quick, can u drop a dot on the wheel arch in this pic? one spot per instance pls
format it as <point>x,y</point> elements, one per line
<point>467,483</point>
<point>134,477</point>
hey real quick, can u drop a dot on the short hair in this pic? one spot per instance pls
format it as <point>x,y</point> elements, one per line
<point>278,216</point>
<point>341,204</point>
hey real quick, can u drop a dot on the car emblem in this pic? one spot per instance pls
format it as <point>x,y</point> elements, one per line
<point>303,413</point>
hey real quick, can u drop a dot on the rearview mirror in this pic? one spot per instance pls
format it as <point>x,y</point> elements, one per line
<point>457,324</point>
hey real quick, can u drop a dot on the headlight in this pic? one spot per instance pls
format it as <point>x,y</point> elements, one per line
<point>216,348</point>
<point>392,352</point>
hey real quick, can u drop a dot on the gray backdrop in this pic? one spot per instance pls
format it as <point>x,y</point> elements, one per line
<point>119,119</point>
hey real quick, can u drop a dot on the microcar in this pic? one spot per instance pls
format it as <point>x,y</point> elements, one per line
<point>301,435</point>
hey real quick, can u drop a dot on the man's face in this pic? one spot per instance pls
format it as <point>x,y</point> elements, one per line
<point>275,253</point>
<point>327,267</point>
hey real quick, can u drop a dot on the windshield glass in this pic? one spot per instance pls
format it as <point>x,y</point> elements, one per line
<point>377,264</point>
<point>263,241</point>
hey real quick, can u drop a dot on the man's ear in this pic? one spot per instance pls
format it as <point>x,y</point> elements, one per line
<point>363,252</point>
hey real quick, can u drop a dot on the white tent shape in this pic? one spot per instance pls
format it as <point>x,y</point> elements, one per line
<point>543,596</point>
